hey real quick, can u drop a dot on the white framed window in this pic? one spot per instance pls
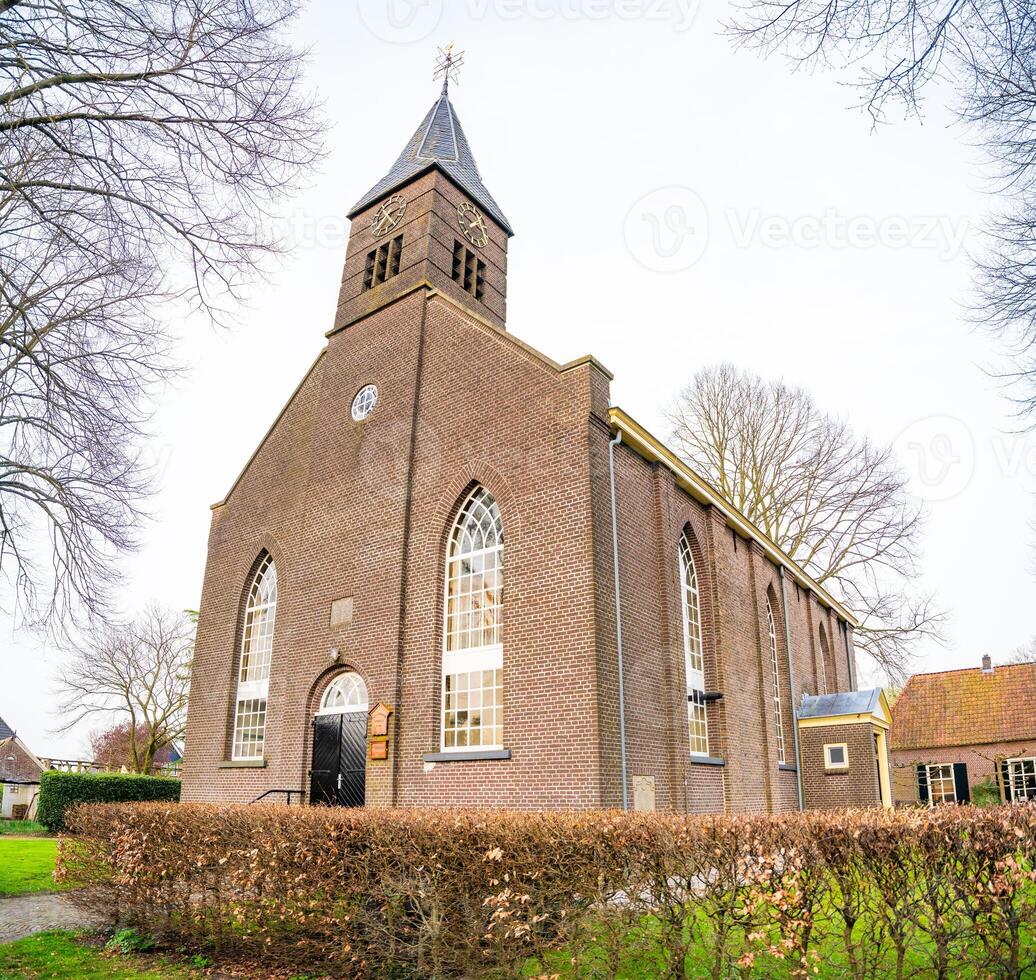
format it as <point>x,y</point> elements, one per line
<point>473,649</point>
<point>345,693</point>
<point>364,402</point>
<point>1022,776</point>
<point>836,755</point>
<point>253,681</point>
<point>694,661</point>
<point>941,786</point>
<point>778,714</point>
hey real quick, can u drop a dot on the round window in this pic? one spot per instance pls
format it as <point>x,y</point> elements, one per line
<point>364,402</point>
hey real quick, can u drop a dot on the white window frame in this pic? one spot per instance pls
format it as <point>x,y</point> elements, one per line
<point>356,686</point>
<point>929,769</point>
<point>837,766</point>
<point>1021,762</point>
<point>778,712</point>
<point>469,659</point>
<point>255,689</point>
<point>694,663</point>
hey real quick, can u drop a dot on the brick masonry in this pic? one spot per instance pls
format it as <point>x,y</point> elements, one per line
<point>364,510</point>
<point>834,789</point>
<point>981,761</point>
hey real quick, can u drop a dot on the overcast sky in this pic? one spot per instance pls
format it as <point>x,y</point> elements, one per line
<point>676,203</point>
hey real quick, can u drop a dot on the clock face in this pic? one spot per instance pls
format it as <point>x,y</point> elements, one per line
<point>473,225</point>
<point>388,215</point>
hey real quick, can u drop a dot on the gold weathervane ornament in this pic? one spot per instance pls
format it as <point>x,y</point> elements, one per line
<point>448,65</point>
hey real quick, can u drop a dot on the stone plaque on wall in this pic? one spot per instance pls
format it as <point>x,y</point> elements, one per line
<point>643,792</point>
<point>342,611</point>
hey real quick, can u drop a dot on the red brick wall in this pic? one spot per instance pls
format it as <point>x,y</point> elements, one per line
<point>980,760</point>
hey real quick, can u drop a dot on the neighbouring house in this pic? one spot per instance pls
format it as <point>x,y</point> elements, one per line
<point>955,729</point>
<point>19,776</point>
<point>454,573</point>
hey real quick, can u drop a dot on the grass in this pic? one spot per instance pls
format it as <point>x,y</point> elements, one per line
<point>59,956</point>
<point>21,827</point>
<point>27,865</point>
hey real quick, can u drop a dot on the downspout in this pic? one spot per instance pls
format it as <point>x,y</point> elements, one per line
<point>791,681</point>
<point>618,621</point>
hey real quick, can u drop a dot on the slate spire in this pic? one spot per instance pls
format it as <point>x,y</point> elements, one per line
<point>439,143</point>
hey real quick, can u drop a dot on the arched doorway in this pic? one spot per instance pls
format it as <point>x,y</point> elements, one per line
<point>340,744</point>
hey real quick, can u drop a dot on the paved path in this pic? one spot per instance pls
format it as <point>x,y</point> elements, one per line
<point>22,915</point>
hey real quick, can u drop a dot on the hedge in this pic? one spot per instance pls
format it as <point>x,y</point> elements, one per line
<point>61,790</point>
<point>437,893</point>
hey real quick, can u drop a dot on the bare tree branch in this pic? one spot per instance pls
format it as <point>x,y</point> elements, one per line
<point>143,145</point>
<point>986,51</point>
<point>835,503</point>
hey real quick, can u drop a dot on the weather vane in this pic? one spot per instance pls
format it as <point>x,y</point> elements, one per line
<point>448,65</point>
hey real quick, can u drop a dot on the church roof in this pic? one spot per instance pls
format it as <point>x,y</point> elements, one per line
<point>6,731</point>
<point>439,142</point>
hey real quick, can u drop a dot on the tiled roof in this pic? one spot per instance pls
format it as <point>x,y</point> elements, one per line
<point>966,707</point>
<point>22,768</point>
<point>438,142</point>
<point>842,703</point>
<point>6,731</point>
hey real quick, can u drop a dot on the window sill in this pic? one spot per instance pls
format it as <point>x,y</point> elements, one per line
<point>840,771</point>
<point>243,764</point>
<point>467,756</point>
<point>707,760</point>
<point>787,767</point>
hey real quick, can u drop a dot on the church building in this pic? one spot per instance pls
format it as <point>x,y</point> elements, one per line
<point>455,574</point>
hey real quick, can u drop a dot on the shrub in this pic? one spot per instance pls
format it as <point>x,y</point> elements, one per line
<point>437,893</point>
<point>61,790</point>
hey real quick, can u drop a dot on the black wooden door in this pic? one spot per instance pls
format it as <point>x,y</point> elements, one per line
<point>339,759</point>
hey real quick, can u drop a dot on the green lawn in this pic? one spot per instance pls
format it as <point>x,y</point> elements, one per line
<point>27,865</point>
<point>58,956</point>
<point>21,827</point>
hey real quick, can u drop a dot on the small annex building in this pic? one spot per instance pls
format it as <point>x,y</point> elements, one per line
<point>955,730</point>
<point>844,747</point>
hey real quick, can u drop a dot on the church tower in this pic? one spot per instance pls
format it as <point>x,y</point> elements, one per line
<point>430,221</point>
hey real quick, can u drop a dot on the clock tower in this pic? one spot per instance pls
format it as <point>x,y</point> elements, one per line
<point>429,222</point>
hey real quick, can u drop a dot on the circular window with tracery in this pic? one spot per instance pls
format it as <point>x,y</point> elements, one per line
<point>364,402</point>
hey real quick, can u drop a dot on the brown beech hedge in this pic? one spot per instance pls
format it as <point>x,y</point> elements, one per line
<point>431,893</point>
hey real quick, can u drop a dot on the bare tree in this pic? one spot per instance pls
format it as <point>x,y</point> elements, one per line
<point>141,145</point>
<point>985,51</point>
<point>837,504</point>
<point>1025,654</point>
<point>137,673</point>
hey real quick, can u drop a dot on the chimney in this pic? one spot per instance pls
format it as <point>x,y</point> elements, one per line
<point>987,664</point>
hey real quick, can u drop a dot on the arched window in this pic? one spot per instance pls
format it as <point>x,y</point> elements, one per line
<point>253,682</point>
<point>346,692</point>
<point>830,677</point>
<point>473,658</point>
<point>778,715</point>
<point>694,661</point>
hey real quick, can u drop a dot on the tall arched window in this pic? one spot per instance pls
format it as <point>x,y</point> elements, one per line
<point>694,661</point>
<point>830,677</point>
<point>778,715</point>
<point>253,681</point>
<point>473,658</point>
